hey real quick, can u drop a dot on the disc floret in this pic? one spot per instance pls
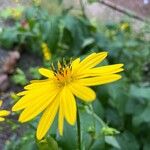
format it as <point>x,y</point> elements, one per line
<point>63,72</point>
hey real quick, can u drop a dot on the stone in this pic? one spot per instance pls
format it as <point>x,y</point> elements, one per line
<point>4,82</point>
<point>8,61</point>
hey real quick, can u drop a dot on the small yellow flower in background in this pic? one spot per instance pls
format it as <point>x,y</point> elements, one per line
<point>17,1</point>
<point>37,2</point>
<point>124,26</point>
<point>57,92</point>
<point>46,51</point>
<point>16,13</point>
<point>3,113</point>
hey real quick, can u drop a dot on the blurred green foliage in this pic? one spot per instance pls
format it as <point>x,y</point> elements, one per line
<point>124,105</point>
<point>19,77</point>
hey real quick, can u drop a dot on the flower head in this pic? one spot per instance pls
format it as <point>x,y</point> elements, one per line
<point>57,92</point>
<point>46,51</point>
<point>16,12</point>
<point>37,2</point>
<point>124,26</point>
<point>17,1</point>
<point>3,113</point>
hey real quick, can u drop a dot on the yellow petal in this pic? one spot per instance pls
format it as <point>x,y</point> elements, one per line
<point>21,93</point>
<point>61,120</point>
<point>92,60</point>
<point>99,80</point>
<point>36,108</point>
<point>47,118</point>
<point>39,81</point>
<point>82,92</point>
<point>101,71</point>
<point>36,85</point>
<point>69,105</point>
<point>1,102</point>
<point>1,119</point>
<point>33,96</point>
<point>26,100</point>
<point>88,58</point>
<point>46,72</point>
<point>110,69</point>
<point>4,113</point>
<point>75,64</point>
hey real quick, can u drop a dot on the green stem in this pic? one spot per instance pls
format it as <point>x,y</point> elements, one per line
<point>96,117</point>
<point>91,143</point>
<point>79,130</point>
<point>91,111</point>
<point>82,8</point>
<point>33,127</point>
<point>99,120</point>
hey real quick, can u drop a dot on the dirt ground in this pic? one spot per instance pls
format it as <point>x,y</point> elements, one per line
<point>140,7</point>
<point>6,132</point>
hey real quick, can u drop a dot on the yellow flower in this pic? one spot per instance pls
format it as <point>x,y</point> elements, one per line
<point>57,92</point>
<point>124,26</point>
<point>46,51</point>
<point>16,13</point>
<point>37,2</point>
<point>17,1</point>
<point>3,113</point>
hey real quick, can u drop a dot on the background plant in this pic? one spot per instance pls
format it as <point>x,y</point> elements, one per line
<point>123,105</point>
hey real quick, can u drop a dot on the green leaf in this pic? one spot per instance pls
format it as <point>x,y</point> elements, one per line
<point>98,108</point>
<point>140,92</point>
<point>146,145</point>
<point>69,138</point>
<point>118,95</point>
<point>24,142</point>
<point>76,30</point>
<point>35,73</point>
<point>87,42</point>
<point>91,126</point>
<point>50,31</point>
<point>143,116</point>
<point>48,144</point>
<point>127,141</point>
<point>19,77</point>
<point>7,39</point>
<point>111,140</point>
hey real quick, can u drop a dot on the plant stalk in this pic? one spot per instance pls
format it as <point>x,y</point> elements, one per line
<point>79,131</point>
<point>82,8</point>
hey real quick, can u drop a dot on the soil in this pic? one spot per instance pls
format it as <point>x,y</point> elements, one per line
<point>6,131</point>
<point>140,7</point>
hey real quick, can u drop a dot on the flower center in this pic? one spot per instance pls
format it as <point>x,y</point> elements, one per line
<point>63,72</point>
